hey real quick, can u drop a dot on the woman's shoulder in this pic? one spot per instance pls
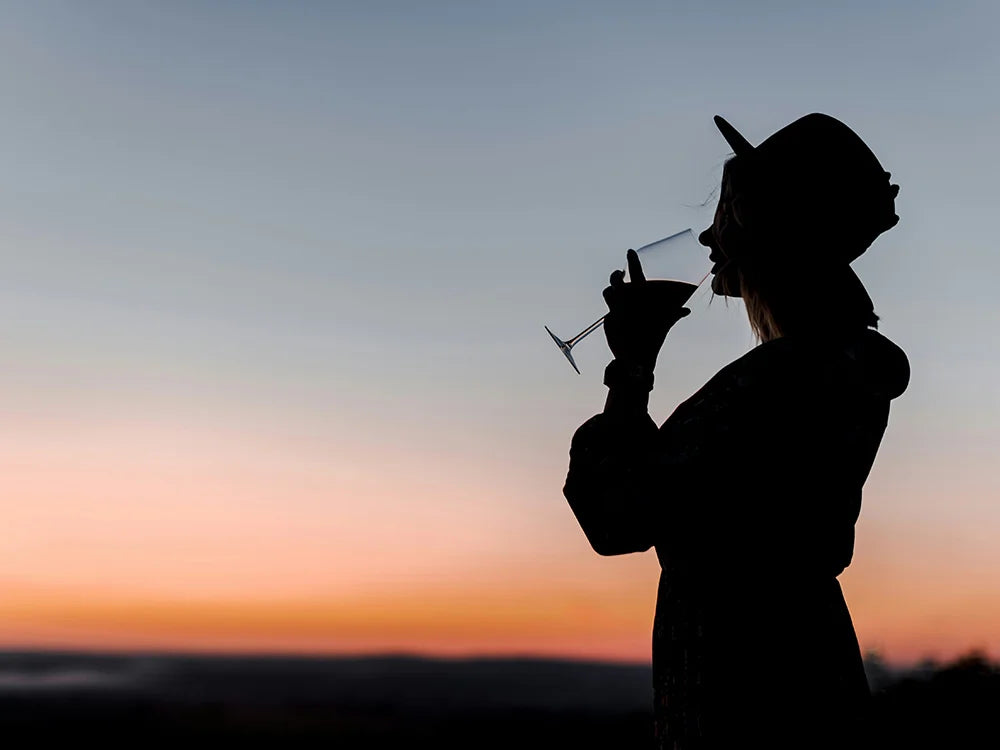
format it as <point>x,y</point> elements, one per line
<point>791,378</point>
<point>879,363</point>
<point>863,359</point>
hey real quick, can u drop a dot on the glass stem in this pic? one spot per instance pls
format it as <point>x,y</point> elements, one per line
<point>586,332</point>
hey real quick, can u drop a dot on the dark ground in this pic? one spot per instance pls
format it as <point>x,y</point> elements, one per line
<point>159,700</point>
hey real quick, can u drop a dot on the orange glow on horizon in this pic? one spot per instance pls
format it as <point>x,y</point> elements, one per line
<point>458,623</point>
<point>153,537</point>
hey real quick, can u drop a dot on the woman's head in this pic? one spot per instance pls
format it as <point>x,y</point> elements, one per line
<point>792,214</point>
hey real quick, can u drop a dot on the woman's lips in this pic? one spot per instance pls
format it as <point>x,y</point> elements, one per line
<point>720,264</point>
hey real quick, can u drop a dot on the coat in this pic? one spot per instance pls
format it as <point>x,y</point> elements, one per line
<point>749,493</point>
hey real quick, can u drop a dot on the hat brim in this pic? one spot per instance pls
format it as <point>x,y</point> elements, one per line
<point>737,142</point>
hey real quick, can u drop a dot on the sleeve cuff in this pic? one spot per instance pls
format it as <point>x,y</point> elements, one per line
<point>628,376</point>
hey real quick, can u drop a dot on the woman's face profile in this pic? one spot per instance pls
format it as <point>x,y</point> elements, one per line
<point>725,279</point>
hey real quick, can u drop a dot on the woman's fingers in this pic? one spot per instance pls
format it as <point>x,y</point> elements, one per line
<point>635,272</point>
<point>610,294</point>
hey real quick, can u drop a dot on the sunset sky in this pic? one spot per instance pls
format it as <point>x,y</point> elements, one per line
<point>273,282</point>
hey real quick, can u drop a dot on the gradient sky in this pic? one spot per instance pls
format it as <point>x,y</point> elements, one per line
<point>273,283</point>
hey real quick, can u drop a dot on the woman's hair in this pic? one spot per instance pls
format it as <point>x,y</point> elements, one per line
<point>785,285</point>
<point>763,323</point>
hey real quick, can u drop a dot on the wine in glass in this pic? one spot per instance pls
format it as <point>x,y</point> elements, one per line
<point>676,266</point>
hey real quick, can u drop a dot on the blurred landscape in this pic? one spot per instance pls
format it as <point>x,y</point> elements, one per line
<point>152,700</point>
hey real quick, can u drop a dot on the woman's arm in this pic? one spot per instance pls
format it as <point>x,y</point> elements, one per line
<point>616,465</point>
<point>609,480</point>
<point>608,461</point>
<point>632,485</point>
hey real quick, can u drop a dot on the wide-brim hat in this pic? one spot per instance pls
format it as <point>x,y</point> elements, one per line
<point>817,173</point>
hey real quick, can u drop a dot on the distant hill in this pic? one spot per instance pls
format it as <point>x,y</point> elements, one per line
<point>403,682</point>
<point>154,700</point>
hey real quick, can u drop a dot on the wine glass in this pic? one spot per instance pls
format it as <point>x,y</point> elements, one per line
<point>677,265</point>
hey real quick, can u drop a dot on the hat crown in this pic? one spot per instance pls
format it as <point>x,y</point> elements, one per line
<point>823,142</point>
<point>817,170</point>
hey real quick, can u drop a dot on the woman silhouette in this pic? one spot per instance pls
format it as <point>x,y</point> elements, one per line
<point>751,489</point>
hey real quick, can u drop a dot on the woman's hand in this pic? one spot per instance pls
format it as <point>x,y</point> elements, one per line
<point>639,316</point>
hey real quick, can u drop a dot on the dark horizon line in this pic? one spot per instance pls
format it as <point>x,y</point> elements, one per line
<point>10,650</point>
<point>388,655</point>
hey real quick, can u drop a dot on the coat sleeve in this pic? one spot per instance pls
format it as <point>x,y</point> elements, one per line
<point>632,485</point>
<point>607,488</point>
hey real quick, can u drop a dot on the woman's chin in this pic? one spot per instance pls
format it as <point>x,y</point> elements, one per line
<point>721,285</point>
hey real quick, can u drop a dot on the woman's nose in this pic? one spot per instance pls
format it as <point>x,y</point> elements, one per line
<point>705,238</point>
